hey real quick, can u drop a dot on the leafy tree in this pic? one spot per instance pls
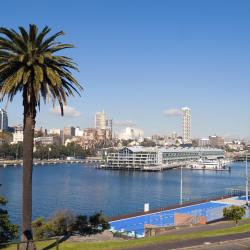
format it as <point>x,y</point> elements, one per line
<point>148,143</point>
<point>59,151</point>
<point>11,151</point>
<point>234,213</point>
<point>6,136</point>
<point>65,223</point>
<point>125,143</point>
<point>8,231</point>
<point>29,64</point>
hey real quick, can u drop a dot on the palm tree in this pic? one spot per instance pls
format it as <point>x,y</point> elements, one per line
<point>29,64</point>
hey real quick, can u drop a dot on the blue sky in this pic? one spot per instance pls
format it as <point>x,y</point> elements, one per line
<point>139,58</point>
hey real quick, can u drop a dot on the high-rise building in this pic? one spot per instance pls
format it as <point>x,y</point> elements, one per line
<point>100,120</point>
<point>3,120</point>
<point>109,125</point>
<point>69,131</point>
<point>186,116</point>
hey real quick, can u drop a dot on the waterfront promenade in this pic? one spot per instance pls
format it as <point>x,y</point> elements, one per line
<point>97,160</point>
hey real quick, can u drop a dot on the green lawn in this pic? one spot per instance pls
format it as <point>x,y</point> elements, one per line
<point>111,245</point>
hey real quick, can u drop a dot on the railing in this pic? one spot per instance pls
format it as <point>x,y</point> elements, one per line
<point>19,243</point>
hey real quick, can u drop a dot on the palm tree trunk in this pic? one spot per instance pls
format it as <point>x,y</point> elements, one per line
<point>28,141</point>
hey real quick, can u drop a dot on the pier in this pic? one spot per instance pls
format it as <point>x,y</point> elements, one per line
<point>153,168</point>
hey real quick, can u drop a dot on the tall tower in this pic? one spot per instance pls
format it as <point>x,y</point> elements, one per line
<point>3,120</point>
<point>186,116</point>
<point>100,120</point>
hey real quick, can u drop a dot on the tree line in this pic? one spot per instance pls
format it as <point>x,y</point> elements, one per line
<point>53,151</point>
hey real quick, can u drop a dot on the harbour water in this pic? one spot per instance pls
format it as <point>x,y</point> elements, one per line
<point>84,189</point>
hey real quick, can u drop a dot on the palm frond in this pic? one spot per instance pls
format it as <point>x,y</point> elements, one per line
<point>28,64</point>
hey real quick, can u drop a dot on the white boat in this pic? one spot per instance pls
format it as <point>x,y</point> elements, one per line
<point>217,165</point>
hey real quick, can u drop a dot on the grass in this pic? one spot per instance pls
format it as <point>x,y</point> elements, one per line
<point>124,244</point>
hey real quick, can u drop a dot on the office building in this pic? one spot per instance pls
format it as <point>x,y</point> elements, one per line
<point>186,129</point>
<point>216,141</point>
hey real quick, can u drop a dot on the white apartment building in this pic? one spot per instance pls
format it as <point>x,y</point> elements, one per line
<point>186,116</point>
<point>100,120</point>
<point>46,140</point>
<point>204,142</point>
<point>18,135</point>
<point>78,132</point>
<point>130,133</point>
<point>55,131</point>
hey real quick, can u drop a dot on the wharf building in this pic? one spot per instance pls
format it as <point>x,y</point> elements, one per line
<point>137,157</point>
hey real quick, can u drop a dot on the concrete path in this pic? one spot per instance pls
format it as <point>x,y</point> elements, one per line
<point>201,241</point>
<point>202,228</point>
<point>205,243</point>
<point>239,244</point>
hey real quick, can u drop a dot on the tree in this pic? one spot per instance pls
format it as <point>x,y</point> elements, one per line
<point>64,223</point>
<point>29,64</point>
<point>234,213</point>
<point>8,231</point>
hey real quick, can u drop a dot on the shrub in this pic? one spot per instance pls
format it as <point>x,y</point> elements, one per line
<point>39,228</point>
<point>234,213</point>
<point>60,224</point>
<point>8,231</point>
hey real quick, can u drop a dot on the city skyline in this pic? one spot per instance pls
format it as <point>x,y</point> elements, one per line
<point>141,70</point>
<point>101,121</point>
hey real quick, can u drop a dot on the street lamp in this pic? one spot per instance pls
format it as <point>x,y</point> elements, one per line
<point>181,187</point>
<point>246,182</point>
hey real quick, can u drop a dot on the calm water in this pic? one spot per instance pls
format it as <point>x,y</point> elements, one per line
<point>84,189</point>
